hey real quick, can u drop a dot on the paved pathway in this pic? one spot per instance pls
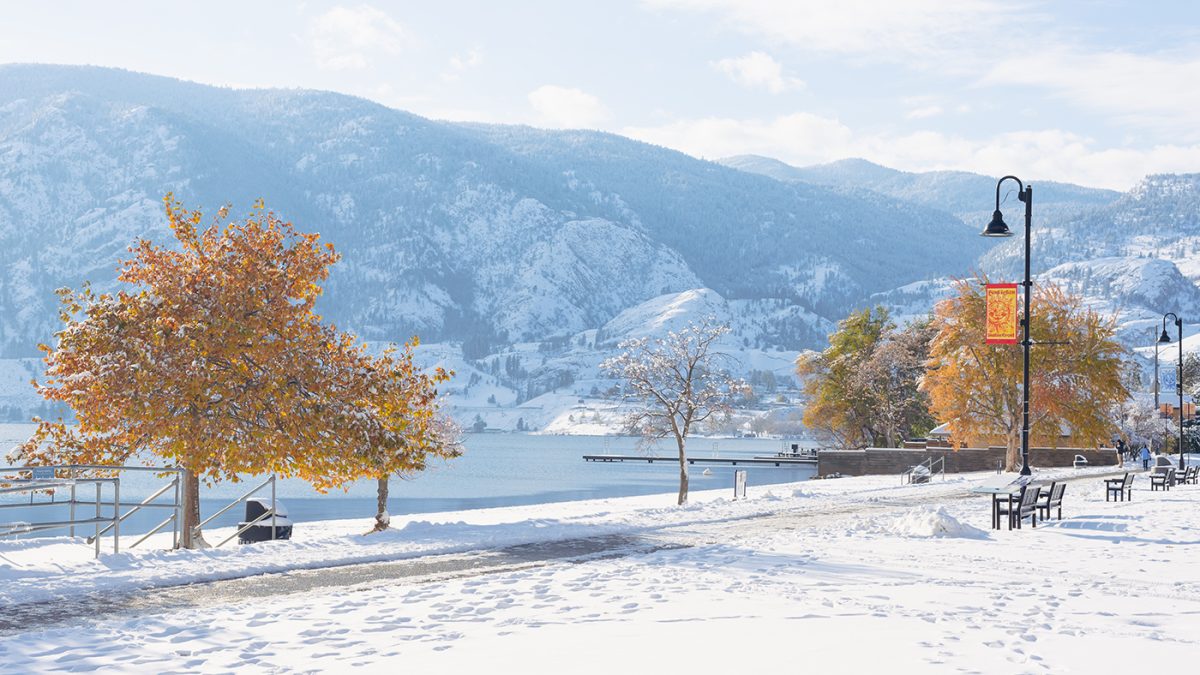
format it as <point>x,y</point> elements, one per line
<point>422,569</point>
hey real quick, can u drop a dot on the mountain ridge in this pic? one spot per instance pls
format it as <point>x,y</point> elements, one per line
<point>521,256</point>
<point>446,229</point>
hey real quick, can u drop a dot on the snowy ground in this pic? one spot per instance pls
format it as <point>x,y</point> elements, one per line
<point>824,576</point>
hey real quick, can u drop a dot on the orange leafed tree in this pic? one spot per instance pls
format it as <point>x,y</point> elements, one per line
<point>1075,373</point>
<point>213,358</point>
<point>408,426</point>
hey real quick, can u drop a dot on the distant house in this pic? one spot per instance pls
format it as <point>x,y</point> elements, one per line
<point>1170,408</point>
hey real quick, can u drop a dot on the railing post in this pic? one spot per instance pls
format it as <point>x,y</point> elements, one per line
<point>272,507</point>
<point>117,514</point>
<point>72,507</point>
<point>175,517</point>
<point>97,520</point>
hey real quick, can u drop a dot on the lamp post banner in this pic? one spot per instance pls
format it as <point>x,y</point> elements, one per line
<point>1001,302</point>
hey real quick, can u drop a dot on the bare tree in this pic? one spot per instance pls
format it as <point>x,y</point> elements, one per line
<point>679,382</point>
<point>1140,424</point>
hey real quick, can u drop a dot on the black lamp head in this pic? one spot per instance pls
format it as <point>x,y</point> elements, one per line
<point>996,228</point>
<point>1164,338</point>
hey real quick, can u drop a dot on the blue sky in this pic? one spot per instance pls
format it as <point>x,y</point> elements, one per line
<point>1099,92</point>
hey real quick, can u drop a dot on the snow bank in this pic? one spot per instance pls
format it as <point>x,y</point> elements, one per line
<point>932,521</point>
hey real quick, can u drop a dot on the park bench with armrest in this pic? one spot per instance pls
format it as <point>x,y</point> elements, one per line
<point>1119,488</point>
<point>1162,480</point>
<point>1052,499</point>
<point>1189,475</point>
<point>1025,507</point>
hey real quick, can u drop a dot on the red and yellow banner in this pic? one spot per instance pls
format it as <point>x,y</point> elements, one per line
<point>1001,314</point>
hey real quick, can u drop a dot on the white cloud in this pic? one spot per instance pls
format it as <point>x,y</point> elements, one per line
<point>802,139</point>
<point>1011,43</point>
<point>758,69</point>
<point>567,107</point>
<point>924,112</point>
<point>472,58</point>
<point>1154,92</point>
<point>349,38</point>
<point>893,30</point>
<point>799,138</point>
<point>462,63</point>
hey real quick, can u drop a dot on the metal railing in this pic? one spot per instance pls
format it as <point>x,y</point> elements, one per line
<point>34,485</point>
<point>68,477</point>
<point>147,503</point>
<point>271,514</point>
<point>927,468</point>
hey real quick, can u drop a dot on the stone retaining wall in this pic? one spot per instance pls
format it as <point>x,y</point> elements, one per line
<point>876,461</point>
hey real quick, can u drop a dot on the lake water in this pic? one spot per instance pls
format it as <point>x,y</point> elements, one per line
<point>495,470</point>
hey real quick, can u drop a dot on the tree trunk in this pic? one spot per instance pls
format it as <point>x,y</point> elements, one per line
<point>1012,455</point>
<point>683,471</point>
<point>190,535</point>
<point>382,518</point>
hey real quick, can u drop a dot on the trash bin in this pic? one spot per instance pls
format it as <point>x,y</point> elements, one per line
<point>261,531</point>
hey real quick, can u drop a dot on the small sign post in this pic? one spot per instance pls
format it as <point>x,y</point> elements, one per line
<point>739,484</point>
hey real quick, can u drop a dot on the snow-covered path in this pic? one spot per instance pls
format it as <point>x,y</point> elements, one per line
<point>1107,589</point>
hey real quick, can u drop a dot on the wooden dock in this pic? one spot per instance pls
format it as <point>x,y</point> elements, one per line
<point>735,461</point>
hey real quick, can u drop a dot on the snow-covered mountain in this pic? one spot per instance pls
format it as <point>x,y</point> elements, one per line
<point>557,385</point>
<point>522,256</point>
<point>1136,255</point>
<point>484,234</point>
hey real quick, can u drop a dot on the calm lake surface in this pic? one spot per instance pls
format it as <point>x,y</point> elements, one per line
<point>495,470</point>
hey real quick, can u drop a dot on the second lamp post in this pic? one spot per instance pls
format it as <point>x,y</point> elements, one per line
<point>1178,373</point>
<point>997,228</point>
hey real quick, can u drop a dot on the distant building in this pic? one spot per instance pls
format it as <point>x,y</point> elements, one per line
<point>939,437</point>
<point>1170,409</point>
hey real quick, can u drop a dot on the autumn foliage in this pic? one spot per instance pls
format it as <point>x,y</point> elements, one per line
<point>212,358</point>
<point>862,389</point>
<point>1075,374</point>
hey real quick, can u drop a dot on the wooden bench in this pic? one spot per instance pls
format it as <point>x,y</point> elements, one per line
<point>1053,499</point>
<point>1025,507</point>
<point>1162,481</point>
<point>1119,488</point>
<point>1189,475</point>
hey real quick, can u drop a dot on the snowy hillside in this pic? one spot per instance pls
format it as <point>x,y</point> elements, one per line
<point>496,242</point>
<point>1135,255</point>
<point>521,255</point>
<point>557,387</point>
<point>480,234</point>
<point>1138,257</point>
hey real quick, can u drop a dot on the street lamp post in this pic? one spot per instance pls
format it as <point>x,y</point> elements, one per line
<point>997,228</point>
<point>1155,375</point>
<point>1164,338</point>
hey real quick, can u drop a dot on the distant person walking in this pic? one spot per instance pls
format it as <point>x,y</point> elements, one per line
<point>1145,457</point>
